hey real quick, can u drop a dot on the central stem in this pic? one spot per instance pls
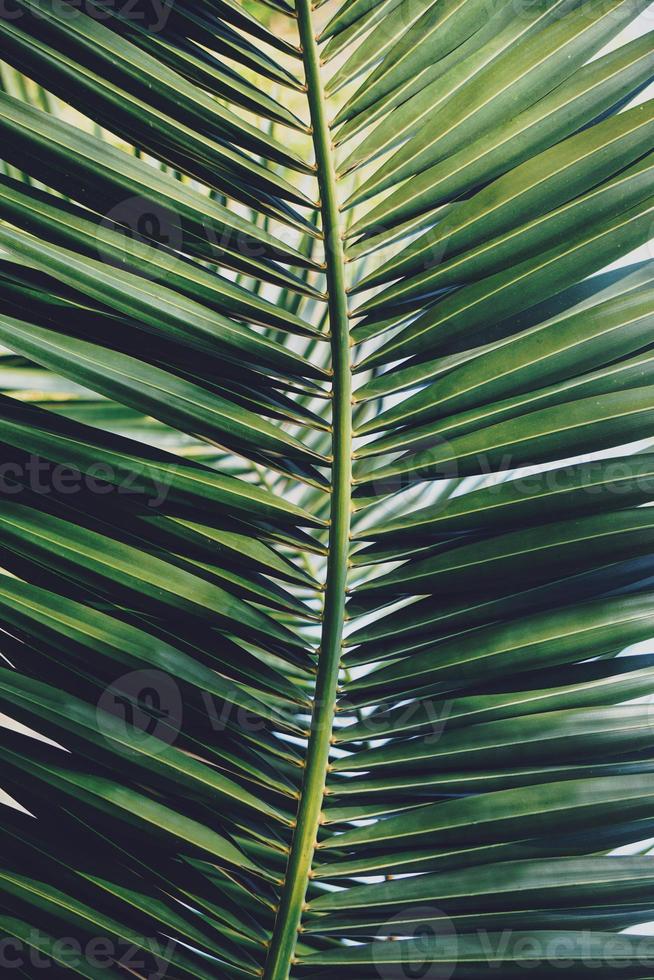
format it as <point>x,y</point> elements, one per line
<point>285,934</point>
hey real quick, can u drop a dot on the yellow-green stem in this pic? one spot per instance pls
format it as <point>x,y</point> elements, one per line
<point>282,949</point>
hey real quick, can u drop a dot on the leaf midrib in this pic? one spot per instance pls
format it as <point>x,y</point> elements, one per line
<point>281,954</point>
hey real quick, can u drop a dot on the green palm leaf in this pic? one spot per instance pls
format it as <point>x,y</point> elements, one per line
<point>326,553</point>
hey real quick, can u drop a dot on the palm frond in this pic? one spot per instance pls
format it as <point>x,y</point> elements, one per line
<point>327,403</point>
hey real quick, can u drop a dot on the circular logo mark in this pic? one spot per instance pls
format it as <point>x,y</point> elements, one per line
<point>145,228</point>
<point>145,707</point>
<point>430,460</point>
<point>419,943</point>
